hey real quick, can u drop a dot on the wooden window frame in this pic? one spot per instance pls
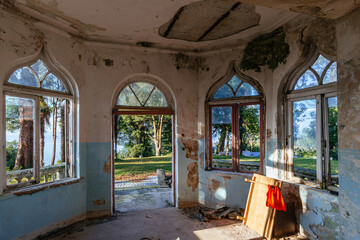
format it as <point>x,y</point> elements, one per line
<point>235,129</point>
<point>34,93</point>
<point>320,93</point>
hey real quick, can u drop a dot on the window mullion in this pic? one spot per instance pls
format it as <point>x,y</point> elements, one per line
<point>326,144</point>
<point>37,140</point>
<point>319,141</point>
<point>290,138</point>
<point>235,137</point>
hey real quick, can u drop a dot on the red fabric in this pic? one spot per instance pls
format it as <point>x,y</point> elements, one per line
<point>274,198</point>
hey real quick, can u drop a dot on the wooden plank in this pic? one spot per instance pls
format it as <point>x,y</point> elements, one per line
<point>257,215</point>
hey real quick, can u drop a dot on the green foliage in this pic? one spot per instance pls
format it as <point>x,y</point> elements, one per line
<point>250,127</point>
<point>12,117</point>
<point>134,133</point>
<point>333,132</point>
<point>304,152</point>
<point>11,152</point>
<point>266,50</point>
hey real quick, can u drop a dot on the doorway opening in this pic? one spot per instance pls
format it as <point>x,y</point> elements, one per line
<point>143,150</point>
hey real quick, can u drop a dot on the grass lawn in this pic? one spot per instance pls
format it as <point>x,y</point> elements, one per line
<point>308,163</point>
<point>242,158</point>
<point>141,168</point>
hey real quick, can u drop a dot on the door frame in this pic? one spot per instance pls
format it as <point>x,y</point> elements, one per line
<point>143,111</point>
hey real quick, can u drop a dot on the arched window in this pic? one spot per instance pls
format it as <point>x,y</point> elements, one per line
<point>236,126</point>
<point>312,124</point>
<point>141,94</point>
<point>39,125</point>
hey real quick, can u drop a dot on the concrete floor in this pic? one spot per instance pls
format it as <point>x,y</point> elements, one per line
<point>156,224</point>
<point>142,199</point>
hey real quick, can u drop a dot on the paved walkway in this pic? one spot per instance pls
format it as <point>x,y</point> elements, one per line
<point>149,182</point>
<point>141,195</point>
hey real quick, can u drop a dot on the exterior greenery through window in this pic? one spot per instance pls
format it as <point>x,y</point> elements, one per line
<point>38,127</point>
<point>142,122</point>
<point>312,124</point>
<point>235,127</point>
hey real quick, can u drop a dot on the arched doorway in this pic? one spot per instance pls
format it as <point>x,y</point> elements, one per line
<point>143,146</point>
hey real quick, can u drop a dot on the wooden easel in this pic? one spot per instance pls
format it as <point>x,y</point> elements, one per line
<point>257,215</point>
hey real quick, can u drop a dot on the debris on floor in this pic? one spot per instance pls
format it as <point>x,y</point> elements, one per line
<point>205,214</point>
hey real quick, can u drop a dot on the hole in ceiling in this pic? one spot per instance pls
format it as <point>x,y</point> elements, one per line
<point>210,20</point>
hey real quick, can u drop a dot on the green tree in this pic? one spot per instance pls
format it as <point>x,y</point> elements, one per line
<point>250,127</point>
<point>11,152</point>
<point>134,134</point>
<point>333,132</point>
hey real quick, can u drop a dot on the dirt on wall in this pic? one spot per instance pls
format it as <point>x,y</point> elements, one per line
<point>323,33</point>
<point>192,147</point>
<point>193,176</point>
<point>29,40</point>
<point>107,166</point>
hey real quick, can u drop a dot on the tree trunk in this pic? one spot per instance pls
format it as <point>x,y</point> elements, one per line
<point>24,157</point>
<point>115,135</point>
<point>157,134</point>
<point>241,134</point>
<point>227,141</point>
<point>221,144</point>
<point>54,131</point>
<point>62,132</point>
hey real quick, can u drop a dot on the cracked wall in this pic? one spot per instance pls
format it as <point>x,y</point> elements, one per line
<point>91,65</point>
<point>348,48</point>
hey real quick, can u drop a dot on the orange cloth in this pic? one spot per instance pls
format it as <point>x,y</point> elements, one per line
<point>274,198</point>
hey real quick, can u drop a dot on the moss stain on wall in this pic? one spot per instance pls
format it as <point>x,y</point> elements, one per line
<point>266,50</point>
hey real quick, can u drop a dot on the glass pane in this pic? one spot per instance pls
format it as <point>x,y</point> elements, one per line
<point>224,92</point>
<point>51,82</point>
<point>40,69</point>
<point>24,76</point>
<point>249,138</point>
<point>234,82</point>
<point>304,133</point>
<point>157,99</point>
<point>221,137</point>
<point>333,140</point>
<point>320,64</point>
<point>19,140</point>
<point>142,90</point>
<point>331,74</point>
<point>127,98</point>
<point>53,141</point>
<point>246,90</point>
<point>308,79</point>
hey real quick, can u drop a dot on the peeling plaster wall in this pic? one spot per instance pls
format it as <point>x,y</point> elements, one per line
<point>317,211</point>
<point>97,69</point>
<point>348,47</point>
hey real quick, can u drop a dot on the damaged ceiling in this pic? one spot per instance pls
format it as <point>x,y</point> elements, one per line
<point>217,19</point>
<point>178,25</point>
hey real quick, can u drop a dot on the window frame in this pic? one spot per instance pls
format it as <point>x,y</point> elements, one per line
<point>235,140</point>
<point>235,103</point>
<point>320,93</point>
<point>34,93</point>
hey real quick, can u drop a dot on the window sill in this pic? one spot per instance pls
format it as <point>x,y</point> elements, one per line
<point>229,173</point>
<point>40,187</point>
<point>312,186</point>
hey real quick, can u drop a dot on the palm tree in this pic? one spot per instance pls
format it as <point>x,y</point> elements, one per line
<point>45,112</point>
